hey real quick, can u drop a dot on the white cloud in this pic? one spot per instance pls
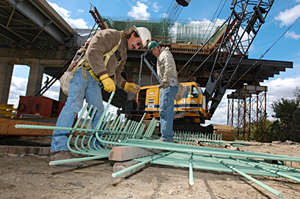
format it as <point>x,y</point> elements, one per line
<point>80,10</point>
<point>280,88</point>
<point>277,89</point>
<point>164,15</point>
<point>155,7</point>
<point>53,91</point>
<point>220,115</point>
<point>139,11</point>
<point>18,88</point>
<point>289,16</point>
<point>292,35</point>
<point>74,23</point>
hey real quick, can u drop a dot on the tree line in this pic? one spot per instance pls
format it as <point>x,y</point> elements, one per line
<point>286,125</point>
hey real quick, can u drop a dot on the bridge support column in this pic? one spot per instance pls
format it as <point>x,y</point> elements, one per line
<point>6,71</point>
<point>35,79</point>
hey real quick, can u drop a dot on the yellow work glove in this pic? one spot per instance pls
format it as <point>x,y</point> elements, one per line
<point>131,87</point>
<point>108,83</point>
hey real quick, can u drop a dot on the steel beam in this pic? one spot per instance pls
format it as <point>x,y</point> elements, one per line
<point>42,20</point>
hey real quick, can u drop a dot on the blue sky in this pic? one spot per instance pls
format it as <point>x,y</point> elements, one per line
<point>283,14</point>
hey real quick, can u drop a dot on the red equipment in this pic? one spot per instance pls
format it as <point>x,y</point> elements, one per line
<point>39,105</point>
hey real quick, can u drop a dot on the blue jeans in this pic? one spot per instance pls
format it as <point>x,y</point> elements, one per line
<point>79,89</point>
<point>167,96</point>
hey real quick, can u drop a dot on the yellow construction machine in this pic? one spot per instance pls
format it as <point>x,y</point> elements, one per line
<point>191,109</point>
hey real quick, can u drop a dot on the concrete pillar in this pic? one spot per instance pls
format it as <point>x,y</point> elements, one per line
<point>35,79</point>
<point>6,71</point>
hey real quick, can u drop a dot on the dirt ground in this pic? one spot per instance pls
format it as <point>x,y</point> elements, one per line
<point>30,177</point>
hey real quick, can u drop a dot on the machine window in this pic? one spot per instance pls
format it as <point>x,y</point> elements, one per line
<point>187,91</point>
<point>195,92</point>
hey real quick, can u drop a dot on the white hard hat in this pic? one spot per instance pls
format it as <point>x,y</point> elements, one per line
<point>144,34</point>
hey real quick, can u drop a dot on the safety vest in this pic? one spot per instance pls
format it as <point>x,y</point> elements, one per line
<point>83,63</point>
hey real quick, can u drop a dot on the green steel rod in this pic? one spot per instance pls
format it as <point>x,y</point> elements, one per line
<point>146,135</point>
<point>282,167</point>
<point>279,173</point>
<point>207,163</point>
<point>92,140</point>
<point>115,132</point>
<point>196,149</point>
<point>73,160</point>
<point>139,124</point>
<point>151,128</point>
<point>241,163</point>
<point>27,126</point>
<point>140,133</point>
<point>151,158</point>
<point>208,150</point>
<point>110,142</point>
<point>123,171</point>
<point>82,125</point>
<point>118,121</point>
<point>89,143</point>
<point>88,125</point>
<point>122,136</point>
<point>191,175</point>
<point>268,188</point>
<point>105,110</point>
<point>105,127</point>
<point>75,126</point>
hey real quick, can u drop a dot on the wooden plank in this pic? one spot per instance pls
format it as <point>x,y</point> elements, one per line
<point>223,127</point>
<point>226,131</point>
<point>7,127</point>
<point>123,153</point>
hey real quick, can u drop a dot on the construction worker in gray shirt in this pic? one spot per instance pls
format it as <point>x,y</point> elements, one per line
<point>166,69</point>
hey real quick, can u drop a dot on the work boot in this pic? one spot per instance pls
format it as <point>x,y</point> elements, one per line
<point>63,155</point>
<point>60,155</point>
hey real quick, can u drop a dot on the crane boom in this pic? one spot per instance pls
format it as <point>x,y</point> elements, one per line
<point>244,22</point>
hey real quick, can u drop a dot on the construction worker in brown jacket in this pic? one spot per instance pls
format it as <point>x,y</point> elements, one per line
<point>102,60</point>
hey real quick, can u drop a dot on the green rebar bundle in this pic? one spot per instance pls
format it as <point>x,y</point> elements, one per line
<point>109,132</point>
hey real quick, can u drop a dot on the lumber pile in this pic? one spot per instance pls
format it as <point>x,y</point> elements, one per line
<point>7,127</point>
<point>226,131</point>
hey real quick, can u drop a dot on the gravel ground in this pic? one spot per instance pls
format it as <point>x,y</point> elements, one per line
<point>30,177</point>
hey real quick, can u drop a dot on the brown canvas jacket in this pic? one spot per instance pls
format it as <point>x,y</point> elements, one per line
<point>102,42</point>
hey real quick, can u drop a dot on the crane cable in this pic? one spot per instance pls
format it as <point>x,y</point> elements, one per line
<point>215,18</point>
<point>206,42</point>
<point>260,58</point>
